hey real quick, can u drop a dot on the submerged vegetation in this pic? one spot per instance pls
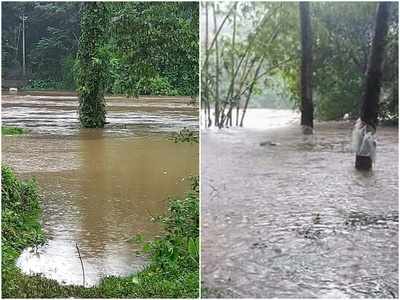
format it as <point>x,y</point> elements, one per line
<point>186,136</point>
<point>172,272</point>
<point>7,130</point>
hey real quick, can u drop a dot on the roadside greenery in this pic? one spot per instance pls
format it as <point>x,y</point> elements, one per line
<point>173,271</point>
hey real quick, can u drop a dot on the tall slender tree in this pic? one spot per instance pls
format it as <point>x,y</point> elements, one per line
<point>307,109</point>
<point>91,76</point>
<point>370,97</point>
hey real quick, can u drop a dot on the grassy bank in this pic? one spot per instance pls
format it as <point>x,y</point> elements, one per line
<point>173,268</point>
<point>7,130</point>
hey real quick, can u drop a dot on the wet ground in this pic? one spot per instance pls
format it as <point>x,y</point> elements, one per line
<point>293,218</point>
<point>99,187</point>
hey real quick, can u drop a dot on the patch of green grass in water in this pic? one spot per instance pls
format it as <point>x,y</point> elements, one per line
<point>6,130</point>
<point>173,271</point>
<point>186,136</point>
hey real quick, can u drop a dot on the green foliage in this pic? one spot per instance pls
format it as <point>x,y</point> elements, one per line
<point>51,36</point>
<point>154,50</point>
<point>92,67</point>
<point>342,34</point>
<point>20,227</point>
<point>150,48</point>
<point>172,273</point>
<point>6,130</point>
<point>257,42</point>
<point>342,39</point>
<point>186,136</point>
<point>38,84</point>
<point>159,86</point>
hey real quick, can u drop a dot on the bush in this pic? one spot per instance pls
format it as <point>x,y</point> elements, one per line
<point>20,211</point>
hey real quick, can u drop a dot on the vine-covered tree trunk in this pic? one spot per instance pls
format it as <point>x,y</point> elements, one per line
<point>370,97</point>
<point>91,76</point>
<point>307,109</point>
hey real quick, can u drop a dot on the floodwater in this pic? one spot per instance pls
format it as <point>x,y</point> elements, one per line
<point>100,187</point>
<point>293,218</point>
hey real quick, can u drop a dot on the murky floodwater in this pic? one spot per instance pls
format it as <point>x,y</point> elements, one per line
<point>99,187</point>
<point>293,218</point>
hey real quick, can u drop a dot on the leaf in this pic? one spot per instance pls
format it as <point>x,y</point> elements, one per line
<point>135,280</point>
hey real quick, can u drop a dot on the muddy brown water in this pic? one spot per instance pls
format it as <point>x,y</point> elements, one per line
<point>99,187</point>
<point>293,218</point>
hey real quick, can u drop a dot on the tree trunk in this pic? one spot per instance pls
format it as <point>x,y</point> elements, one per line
<point>91,75</point>
<point>251,91</point>
<point>370,97</point>
<point>206,95</point>
<point>216,108</point>
<point>307,109</point>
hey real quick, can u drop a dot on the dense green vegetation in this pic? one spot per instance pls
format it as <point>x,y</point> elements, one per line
<point>255,59</point>
<point>173,268</point>
<point>151,48</point>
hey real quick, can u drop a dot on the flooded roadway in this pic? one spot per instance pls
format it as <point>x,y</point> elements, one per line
<point>293,218</point>
<point>99,187</point>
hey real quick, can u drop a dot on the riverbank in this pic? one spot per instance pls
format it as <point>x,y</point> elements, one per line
<point>171,273</point>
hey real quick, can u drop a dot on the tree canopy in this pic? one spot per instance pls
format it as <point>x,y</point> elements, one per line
<point>151,47</point>
<point>267,38</point>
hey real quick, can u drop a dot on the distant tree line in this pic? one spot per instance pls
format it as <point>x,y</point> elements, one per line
<point>252,46</point>
<point>151,48</point>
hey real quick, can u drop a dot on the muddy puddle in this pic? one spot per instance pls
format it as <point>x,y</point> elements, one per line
<point>293,218</point>
<point>99,187</point>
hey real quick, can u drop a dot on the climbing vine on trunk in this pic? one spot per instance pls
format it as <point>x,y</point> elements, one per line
<point>91,67</point>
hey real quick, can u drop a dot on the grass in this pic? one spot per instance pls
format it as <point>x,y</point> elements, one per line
<point>173,271</point>
<point>7,130</point>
